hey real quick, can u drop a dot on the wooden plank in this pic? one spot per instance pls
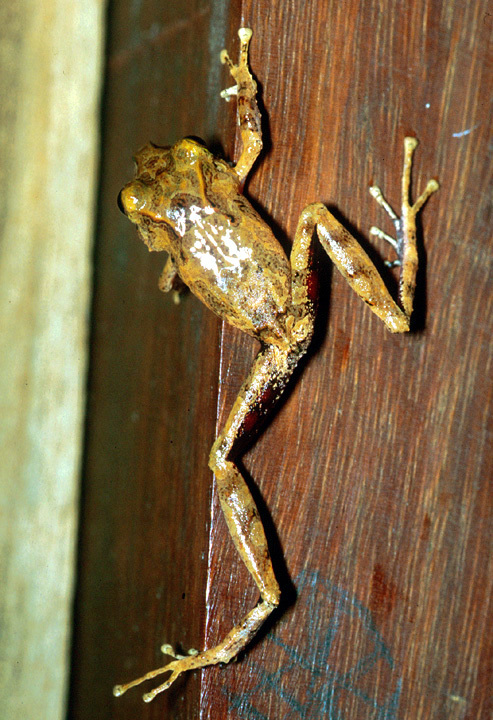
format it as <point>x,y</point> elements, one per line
<point>49,87</point>
<point>152,386</point>
<point>374,474</point>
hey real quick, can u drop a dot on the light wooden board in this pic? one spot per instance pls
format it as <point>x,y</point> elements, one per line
<point>49,85</point>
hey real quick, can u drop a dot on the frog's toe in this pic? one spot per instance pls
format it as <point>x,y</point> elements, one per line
<point>228,93</point>
<point>245,35</point>
<point>167,649</point>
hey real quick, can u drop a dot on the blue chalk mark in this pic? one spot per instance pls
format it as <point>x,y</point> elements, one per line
<point>320,698</point>
<point>465,132</point>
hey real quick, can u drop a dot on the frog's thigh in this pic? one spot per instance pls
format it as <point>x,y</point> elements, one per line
<point>268,377</point>
<point>349,258</point>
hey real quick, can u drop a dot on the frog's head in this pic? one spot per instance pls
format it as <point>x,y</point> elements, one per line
<point>169,181</point>
<point>153,162</point>
<point>144,200</point>
<point>136,201</point>
<point>189,151</point>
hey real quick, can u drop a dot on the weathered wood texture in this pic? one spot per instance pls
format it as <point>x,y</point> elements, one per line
<point>374,474</point>
<point>49,89</point>
<point>152,386</point>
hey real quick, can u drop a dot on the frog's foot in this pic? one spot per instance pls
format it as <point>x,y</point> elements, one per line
<point>175,667</point>
<point>405,225</point>
<point>167,649</point>
<point>180,664</point>
<point>227,650</point>
<point>240,72</point>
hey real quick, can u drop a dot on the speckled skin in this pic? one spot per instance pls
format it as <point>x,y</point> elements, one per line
<point>189,203</point>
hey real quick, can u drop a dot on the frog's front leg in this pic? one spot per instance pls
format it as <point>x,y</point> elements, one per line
<point>247,109</point>
<point>353,262</point>
<point>265,383</point>
<point>170,281</point>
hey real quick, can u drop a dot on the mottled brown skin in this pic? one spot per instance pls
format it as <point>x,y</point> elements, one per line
<point>187,202</point>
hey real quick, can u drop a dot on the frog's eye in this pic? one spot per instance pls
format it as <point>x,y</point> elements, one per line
<point>192,148</point>
<point>196,140</point>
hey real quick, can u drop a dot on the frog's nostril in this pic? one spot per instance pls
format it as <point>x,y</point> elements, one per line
<point>120,203</point>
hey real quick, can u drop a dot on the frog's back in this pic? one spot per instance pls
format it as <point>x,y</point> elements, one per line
<point>186,201</point>
<point>231,260</point>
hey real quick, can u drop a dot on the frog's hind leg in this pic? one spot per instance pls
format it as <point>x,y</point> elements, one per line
<point>353,262</point>
<point>263,386</point>
<point>405,227</point>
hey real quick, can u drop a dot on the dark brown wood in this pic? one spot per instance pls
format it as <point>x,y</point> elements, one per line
<point>152,386</point>
<point>374,475</point>
<point>372,479</point>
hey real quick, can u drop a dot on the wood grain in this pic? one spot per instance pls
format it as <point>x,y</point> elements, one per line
<point>373,477</point>
<point>152,387</point>
<point>49,86</point>
<point>375,474</point>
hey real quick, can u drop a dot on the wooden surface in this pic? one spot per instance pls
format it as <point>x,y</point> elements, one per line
<point>373,478</point>
<point>152,387</point>
<point>49,89</point>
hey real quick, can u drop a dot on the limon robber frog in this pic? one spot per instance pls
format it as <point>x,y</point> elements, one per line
<point>189,203</point>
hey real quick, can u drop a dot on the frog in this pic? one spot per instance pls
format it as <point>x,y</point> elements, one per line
<point>189,203</point>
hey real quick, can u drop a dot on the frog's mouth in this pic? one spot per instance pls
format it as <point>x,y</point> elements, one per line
<point>135,201</point>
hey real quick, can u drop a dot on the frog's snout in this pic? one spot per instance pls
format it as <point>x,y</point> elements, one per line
<point>132,198</point>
